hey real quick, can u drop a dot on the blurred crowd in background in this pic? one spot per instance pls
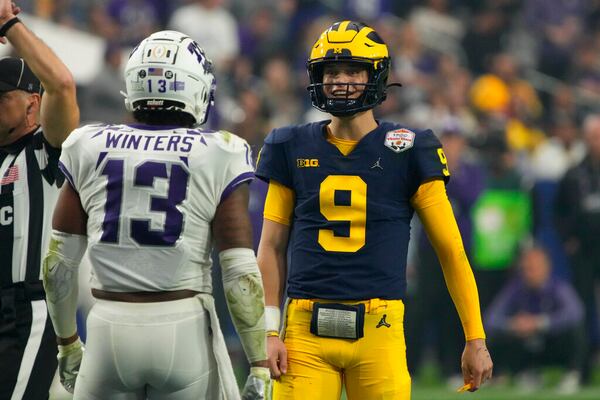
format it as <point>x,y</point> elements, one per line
<point>511,88</point>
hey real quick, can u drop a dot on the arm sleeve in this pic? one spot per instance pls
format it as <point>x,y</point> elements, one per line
<point>60,269</point>
<point>433,207</point>
<point>279,203</point>
<point>244,293</point>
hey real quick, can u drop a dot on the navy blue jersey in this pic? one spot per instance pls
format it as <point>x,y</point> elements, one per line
<point>351,222</point>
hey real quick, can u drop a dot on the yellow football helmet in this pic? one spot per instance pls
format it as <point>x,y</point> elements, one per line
<point>349,41</point>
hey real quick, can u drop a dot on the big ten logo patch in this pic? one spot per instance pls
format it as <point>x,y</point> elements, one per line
<point>307,162</point>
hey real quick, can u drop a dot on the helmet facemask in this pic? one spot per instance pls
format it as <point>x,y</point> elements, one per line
<point>373,91</point>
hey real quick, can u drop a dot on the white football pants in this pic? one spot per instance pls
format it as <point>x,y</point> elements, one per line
<point>148,350</point>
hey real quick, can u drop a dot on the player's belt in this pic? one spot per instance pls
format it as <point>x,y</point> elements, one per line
<point>144,297</point>
<point>372,306</point>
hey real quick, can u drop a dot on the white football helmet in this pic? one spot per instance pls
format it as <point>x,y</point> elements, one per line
<point>169,71</point>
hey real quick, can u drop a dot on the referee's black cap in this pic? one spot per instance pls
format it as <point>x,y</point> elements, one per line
<point>15,74</point>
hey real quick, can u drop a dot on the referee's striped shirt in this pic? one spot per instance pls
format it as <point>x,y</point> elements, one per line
<point>29,186</point>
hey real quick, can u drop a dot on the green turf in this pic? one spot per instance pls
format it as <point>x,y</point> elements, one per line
<point>428,385</point>
<point>486,393</point>
<point>420,393</point>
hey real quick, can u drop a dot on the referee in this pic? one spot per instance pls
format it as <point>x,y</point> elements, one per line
<point>32,128</point>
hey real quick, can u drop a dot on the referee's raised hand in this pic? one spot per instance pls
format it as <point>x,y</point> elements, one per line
<point>59,112</point>
<point>8,11</point>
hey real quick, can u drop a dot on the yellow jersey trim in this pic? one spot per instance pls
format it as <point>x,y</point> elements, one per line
<point>345,146</point>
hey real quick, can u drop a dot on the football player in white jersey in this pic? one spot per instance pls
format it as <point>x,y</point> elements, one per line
<point>148,201</point>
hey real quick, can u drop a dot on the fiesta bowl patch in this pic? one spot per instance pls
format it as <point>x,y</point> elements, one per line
<point>399,140</point>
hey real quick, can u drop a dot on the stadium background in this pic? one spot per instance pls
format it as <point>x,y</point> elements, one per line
<point>512,79</point>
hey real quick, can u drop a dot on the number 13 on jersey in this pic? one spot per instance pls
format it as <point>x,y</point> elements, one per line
<point>144,176</point>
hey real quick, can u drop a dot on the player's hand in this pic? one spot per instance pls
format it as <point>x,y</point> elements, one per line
<point>476,363</point>
<point>258,384</point>
<point>69,360</point>
<point>277,354</point>
<point>8,10</point>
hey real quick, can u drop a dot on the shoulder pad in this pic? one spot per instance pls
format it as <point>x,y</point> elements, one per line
<point>426,138</point>
<point>81,132</point>
<point>287,133</point>
<point>229,141</point>
<point>280,135</point>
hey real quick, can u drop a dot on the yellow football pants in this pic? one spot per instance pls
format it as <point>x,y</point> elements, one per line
<point>373,367</point>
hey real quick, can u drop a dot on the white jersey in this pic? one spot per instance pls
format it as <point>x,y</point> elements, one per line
<point>150,194</point>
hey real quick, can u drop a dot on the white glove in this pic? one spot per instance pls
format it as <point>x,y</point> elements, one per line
<point>69,360</point>
<point>258,384</point>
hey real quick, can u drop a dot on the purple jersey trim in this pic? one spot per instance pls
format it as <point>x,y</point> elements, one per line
<point>246,176</point>
<point>67,174</point>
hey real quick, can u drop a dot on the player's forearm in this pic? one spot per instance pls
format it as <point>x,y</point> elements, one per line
<point>244,294</point>
<point>459,278</point>
<point>271,259</point>
<point>449,248</point>
<point>279,205</point>
<point>59,110</point>
<point>60,275</point>
<point>463,290</point>
<point>272,269</point>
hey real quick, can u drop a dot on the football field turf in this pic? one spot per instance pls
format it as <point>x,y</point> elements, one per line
<point>431,387</point>
<point>441,393</point>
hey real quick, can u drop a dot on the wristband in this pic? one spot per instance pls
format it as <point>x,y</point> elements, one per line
<point>68,349</point>
<point>272,334</point>
<point>7,25</point>
<point>272,318</point>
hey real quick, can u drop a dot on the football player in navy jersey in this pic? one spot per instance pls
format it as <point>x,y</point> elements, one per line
<point>341,196</point>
